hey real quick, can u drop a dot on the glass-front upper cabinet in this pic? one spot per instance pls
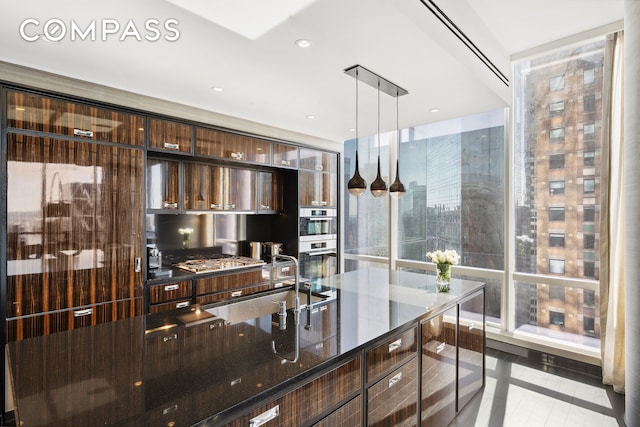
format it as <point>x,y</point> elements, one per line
<point>46,114</point>
<point>284,155</point>
<point>200,187</point>
<point>170,136</point>
<point>231,146</point>
<point>318,160</point>
<point>318,188</point>
<point>163,184</point>
<point>269,191</point>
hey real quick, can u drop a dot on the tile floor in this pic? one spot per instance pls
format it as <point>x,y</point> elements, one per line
<point>524,392</point>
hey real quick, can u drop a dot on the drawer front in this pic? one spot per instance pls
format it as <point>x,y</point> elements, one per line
<point>393,401</point>
<point>50,323</point>
<point>51,115</point>
<point>389,354</point>
<point>309,401</point>
<point>170,136</point>
<point>170,291</point>
<point>235,293</point>
<point>175,413</point>
<point>323,320</point>
<point>168,306</point>
<point>348,415</point>
<point>213,284</point>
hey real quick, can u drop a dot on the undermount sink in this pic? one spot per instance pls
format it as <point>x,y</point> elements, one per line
<point>264,305</point>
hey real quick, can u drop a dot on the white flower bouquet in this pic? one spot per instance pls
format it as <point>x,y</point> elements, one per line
<point>443,260</point>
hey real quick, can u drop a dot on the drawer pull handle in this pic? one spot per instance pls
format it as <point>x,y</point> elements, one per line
<point>319,168</point>
<point>285,162</point>
<point>230,206</point>
<point>319,346</point>
<point>237,155</point>
<point>236,381</point>
<point>395,345</point>
<point>395,379</point>
<point>265,417</point>
<point>323,308</point>
<point>285,269</point>
<point>315,310</point>
<point>183,304</point>
<point>85,312</point>
<point>80,132</point>
<point>236,293</point>
<point>278,285</point>
<point>171,146</point>
<point>169,288</point>
<point>216,206</point>
<point>264,206</point>
<point>440,347</point>
<point>170,337</point>
<point>170,409</point>
<point>471,326</point>
<point>168,205</point>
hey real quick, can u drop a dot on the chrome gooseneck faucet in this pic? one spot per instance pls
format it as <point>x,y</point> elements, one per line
<point>296,312</point>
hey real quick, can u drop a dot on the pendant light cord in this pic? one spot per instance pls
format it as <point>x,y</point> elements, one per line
<point>397,125</point>
<point>378,121</point>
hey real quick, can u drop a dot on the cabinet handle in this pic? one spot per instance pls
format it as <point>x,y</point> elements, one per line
<point>471,325</point>
<point>170,337</point>
<point>265,417</point>
<point>278,285</point>
<point>318,203</point>
<point>169,205</point>
<point>170,409</point>
<point>171,146</point>
<point>285,269</point>
<point>237,155</point>
<point>323,308</point>
<point>236,382</point>
<point>216,206</point>
<point>319,167</point>
<point>80,132</point>
<point>319,346</point>
<point>395,345</point>
<point>183,304</point>
<point>137,265</point>
<point>395,379</point>
<point>265,206</point>
<point>169,288</point>
<point>230,206</point>
<point>440,347</point>
<point>285,162</point>
<point>85,312</point>
<point>236,293</point>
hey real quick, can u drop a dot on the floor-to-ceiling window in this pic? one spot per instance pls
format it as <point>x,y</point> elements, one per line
<point>458,178</point>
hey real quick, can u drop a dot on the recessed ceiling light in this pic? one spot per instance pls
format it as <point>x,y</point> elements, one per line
<point>434,110</point>
<point>217,89</point>
<point>311,116</point>
<point>303,43</point>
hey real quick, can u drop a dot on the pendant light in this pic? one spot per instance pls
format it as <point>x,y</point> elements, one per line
<point>397,190</point>
<point>357,185</point>
<point>378,187</point>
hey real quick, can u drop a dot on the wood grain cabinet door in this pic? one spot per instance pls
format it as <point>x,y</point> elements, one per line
<point>318,189</point>
<point>166,135</point>
<point>232,146</point>
<point>284,155</point>
<point>162,184</point>
<point>51,115</point>
<point>470,348</point>
<point>74,224</point>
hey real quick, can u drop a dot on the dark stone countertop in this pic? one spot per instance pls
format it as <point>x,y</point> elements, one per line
<point>187,367</point>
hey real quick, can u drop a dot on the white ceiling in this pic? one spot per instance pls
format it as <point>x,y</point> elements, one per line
<point>248,50</point>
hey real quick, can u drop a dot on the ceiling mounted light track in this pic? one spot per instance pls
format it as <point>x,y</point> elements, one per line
<point>357,185</point>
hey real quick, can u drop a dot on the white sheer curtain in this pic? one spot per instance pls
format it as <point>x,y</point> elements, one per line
<point>612,316</point>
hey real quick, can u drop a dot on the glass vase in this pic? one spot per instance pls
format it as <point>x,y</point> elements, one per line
<point>443,277</point>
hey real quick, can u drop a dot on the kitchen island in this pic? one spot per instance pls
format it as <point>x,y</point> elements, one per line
<point>375,347</point>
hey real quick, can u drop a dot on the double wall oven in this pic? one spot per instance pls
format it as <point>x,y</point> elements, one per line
<point>318,243</point>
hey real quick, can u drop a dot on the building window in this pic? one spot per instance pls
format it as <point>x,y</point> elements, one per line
<point>556,161</point>
<point>556,318</point>
<point>556,135</point>
<point>589,103</point>
<point>589,297</point>
<point>589,76</point>
<point>589,158</point>
<point>556,214</point>
<point>556,188</point>
<point>556,83</point>
<point>589,214</point>
<point>556,266</point>
<point>556,292</point>
<point>556,240</point>
<point>556,108</point>
<point>589,269</point>
<point>589,241</point>
<point>589,132</point>
<point>589,324</point>
<point>589,185</point>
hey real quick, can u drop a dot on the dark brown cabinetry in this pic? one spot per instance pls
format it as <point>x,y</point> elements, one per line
<point>390,353</point>
<point>51,115</point>
<point>316,160</point>
<point>439,361</point>
<point>170,296</point>
<point>470,348</point>
<point>310,401</point>
<point>170,136</point>
<point>232,146</point>
<point>219,188</point>
<point>74,228</point>
<point>269,192</point>
<point>223,287</point>
<point>163,184</point>
<point>318,189</point>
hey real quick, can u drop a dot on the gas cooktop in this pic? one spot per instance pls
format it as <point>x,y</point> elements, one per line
<point>229,262</point>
